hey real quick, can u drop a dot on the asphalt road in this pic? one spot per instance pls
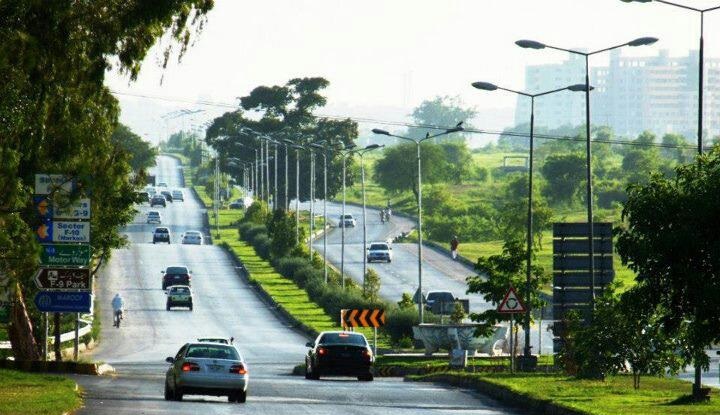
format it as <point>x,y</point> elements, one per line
<point>224,306</point>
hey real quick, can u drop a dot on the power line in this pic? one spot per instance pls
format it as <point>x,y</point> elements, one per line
<point>364,120</point>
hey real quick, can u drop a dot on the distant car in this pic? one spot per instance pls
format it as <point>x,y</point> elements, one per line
<point>158,200</point>
<point>221,340</point>
<point>151,191</point>
<point>439,301</point>
<point>176,276</point>
<point>179,296</point>
<point>192,238</point>
<point>161,235</point>
<point>339,353</point>
<point>207,369</point>
<point>347,220</point>
<point>162,184</point>
<point>154,217</point>
<point>237,204</point>
<point>379,251</point>
<point>178,195</point>
<point>167,195</point>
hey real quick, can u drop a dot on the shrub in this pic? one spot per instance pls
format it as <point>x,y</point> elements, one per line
<point>256,213</point>
<point>250,233</point>
<point>262,243</point>
<point>399,323</point>
<point>243,227</point>
<point>305,273</point>
<point>287,266</point>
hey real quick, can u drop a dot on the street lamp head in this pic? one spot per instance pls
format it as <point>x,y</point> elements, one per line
<point>580,88</point>
<point>485,86</point>
<point>379,131</point>
<point>636,1</point>
<point>643,41</point>
<point>288,141</point>
<point>349,146</point>
<point>316,145</point>
<point>372,146</point>
<point>458,127</point>
<point>530,44</point>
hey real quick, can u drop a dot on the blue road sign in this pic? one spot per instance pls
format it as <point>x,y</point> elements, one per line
<point>64,302</point>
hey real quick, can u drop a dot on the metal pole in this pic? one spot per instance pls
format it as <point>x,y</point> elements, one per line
<point>56,330</point>
<point>297,196</point>
<point>275,180</point>
<point>342,227</point>
<point>364,250</point>
<point>325,269</point>
<point>420,292</point>
<point>589,192</point>
<point>256,189</point>
<point>267,171</point>
<point>76,342</point>
<point>701,77</point>
<point>287,203</point>
<point>262,173</point>
<point>512,343</point>
<point>528,275</point>
<point>312,206</point>
<point>45,344</point>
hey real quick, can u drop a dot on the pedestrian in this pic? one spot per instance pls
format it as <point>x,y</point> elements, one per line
<point>382,215</point>
<point>388,213</point>
<point>454,243</point>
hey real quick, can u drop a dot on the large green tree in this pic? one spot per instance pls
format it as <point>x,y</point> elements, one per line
<point>441,112</point>
<point>397,170</point>
<point>565,174</point>
<point>670,239</point>
<point>56,116</point>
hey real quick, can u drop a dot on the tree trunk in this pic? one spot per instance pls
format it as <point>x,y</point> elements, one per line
<point>57,344</point>
<point>20,331</point>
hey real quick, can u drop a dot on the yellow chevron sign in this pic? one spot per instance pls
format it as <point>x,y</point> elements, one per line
<point>362,318</point>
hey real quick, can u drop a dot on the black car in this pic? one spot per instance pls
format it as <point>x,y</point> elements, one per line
<point>161,235</point>
<point>339,353</point>
<point>167,195</point>
<point>158,200</point>
<point>142,197</point>
<point>175,276</point>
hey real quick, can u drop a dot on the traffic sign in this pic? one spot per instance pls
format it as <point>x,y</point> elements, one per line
<point>65,255</point>
<point>46,184</point>
<point>64,301</point>
<point>63,278</point>
<point>80,209</point>
<point>54,231</point>
<point>511,303</point>
<point>363,318</point>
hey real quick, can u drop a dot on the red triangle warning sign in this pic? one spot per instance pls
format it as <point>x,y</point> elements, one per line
<point>511,303</point>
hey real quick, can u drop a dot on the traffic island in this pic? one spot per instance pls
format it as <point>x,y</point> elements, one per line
<point>557,394</point>
<point>35,394</point>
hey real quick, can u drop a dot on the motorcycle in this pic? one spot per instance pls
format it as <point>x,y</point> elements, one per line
<point>117,318</point>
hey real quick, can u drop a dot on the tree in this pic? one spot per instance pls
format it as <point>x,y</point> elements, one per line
<point>459,161</point>
<point>57,112</point>
<point>496,274</point>
<point>677,148</point>
<point>371,291</point>
<point>142,154</point>
<point>670,240</point>
<point>281,229</point>
<point>564,174</point>
<point>397,170</point>
<point>441,112</point>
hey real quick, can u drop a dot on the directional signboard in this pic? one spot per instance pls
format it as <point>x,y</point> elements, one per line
<point>63,279</point>
<point>46,184</point>
<point>57,231</point>
<point>79,209</point>
<point>65,255</point>
<point>363,318</point>
<point>64,301</point>
<point>511,303</point>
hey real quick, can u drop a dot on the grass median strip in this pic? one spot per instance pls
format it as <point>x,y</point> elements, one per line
<point>615,395</point>
<point>31,393</point>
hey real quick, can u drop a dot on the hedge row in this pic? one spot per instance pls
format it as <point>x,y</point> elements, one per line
<point>331,296</point>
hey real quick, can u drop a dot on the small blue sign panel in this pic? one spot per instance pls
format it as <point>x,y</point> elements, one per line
<point>64,301</point>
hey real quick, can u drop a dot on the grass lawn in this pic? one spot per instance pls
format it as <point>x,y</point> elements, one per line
<point>442,361</point>
<point>656,396</point>
<point>31,393</point>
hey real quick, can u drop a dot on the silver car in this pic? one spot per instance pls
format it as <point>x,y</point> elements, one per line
<point>178,195</point>
<point>192,238</point>
<point>207,369</point>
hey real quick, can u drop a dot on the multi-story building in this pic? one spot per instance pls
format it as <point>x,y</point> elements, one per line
<point>632,94</point>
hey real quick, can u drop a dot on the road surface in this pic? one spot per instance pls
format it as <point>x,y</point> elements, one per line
<point>224,306</point>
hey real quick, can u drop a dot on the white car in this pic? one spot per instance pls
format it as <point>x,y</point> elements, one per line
<point>162,184</point>
<point>151,191</point>
<point>192,238</point>
<point>347,220</point>
<point>379,251</point>
<point>154,217</point>
<point>203,368</point>
<point>178,195</point>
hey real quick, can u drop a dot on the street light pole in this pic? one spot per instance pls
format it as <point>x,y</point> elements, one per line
<point>287,203</point>
<point>347,150</point>
<point>486,86</point>
<point>701,60</point>
<point>531,44</point>
<point>312,197</point>
<point>417,142</point>
<point>275,203</point>
<point>362,175</point>
<point>297,195</point>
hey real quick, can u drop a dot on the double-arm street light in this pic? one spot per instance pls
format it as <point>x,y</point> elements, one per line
<point>344,152</point>
<point>531,44</point>
<point>417,142</point>
<point>486,86</point>
<point>362,152</point>
<point>320,146</point>
<point>701,59</point>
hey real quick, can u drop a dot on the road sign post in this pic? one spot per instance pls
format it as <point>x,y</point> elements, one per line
<point>511,304</point>
<point>63,279</point>
<point>64,301</point>
<point>65,255</point>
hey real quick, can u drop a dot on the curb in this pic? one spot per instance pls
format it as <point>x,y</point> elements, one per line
<point>276,308</point>
<point>502,394</point>
<point>77,368</point>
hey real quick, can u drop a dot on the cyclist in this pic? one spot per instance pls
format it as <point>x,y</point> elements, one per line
<point>117,305</point>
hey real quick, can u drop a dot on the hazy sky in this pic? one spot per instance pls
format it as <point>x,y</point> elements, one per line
<point>382,58</point>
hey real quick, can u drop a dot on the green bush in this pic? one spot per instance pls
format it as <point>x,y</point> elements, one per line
<point>249,234</point>
<point>304,273</point>
<point>243,227</point>
<point>399,323</point>
<point>287,266</point>
<point>261,242</point>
